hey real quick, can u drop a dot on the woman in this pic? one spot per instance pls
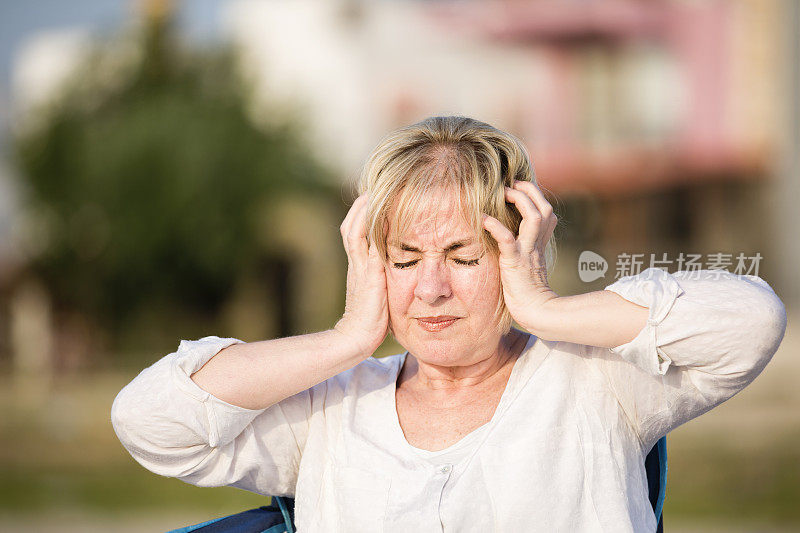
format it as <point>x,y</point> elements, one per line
<point>478,426</point>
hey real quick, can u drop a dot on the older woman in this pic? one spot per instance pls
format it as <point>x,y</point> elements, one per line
<point>478,426</point>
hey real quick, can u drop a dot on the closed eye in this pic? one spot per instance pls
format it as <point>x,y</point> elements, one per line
<point>464,262</point>
<point>407,264</point>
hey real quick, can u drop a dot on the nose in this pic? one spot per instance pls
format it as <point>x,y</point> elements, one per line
<point>432,282</point>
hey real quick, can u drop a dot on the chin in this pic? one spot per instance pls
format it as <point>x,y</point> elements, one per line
<point>454,346</point>
<point>441,351</point>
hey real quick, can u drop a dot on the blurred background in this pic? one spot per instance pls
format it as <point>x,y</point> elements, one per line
<point>170,170</point>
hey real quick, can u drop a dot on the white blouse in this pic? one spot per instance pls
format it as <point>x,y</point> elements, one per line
<point>564,450</point>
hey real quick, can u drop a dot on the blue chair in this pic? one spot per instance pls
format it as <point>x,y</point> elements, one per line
<point>655,464</point>
<point>278,517</point>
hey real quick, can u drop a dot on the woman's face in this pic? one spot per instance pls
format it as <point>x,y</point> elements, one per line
<point>443,291</point>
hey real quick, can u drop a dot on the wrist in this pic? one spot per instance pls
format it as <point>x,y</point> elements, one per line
<point>541,315</point>
<point>353,341</point>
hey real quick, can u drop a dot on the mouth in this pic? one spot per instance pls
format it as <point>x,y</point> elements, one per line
<point>436,323</point>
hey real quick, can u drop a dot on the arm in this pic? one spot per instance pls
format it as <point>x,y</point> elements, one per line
<point>621,314</point>
<point>599,318</point>
<point>708,335</point>
<point>222,412</point>
<point>740,316</point>
<point>260,374</point>
<point>717,322</point>
<point>701,337</point>
<point>174,428</point>
<point>257,375</point>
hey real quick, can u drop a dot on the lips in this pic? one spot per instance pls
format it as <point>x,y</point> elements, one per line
<point>441,318</point>
<point>436,323</point>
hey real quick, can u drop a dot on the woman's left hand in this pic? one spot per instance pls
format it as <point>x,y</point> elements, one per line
<point>523,271</point>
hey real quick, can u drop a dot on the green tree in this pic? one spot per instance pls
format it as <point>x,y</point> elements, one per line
<point>148,179</point>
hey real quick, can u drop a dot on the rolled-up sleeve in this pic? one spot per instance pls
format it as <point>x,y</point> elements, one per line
<point>174,428</point>
<point>708,335</point>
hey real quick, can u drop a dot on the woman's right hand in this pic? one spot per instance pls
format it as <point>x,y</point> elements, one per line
<point>366,313</point>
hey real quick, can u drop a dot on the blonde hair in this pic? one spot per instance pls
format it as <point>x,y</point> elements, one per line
<point>459,154</point>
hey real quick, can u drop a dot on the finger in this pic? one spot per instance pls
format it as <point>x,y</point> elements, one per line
<point>345,229</point>
<point>357,236</point>
<point>531,224</point>
<point>506,240</point>
<point>535,194</point>
<point>374,258</point>
<point>549,219</point>
<point>358,203</point>
<point>547,233</point>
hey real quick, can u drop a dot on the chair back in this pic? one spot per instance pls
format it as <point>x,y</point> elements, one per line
<point>655,464</point>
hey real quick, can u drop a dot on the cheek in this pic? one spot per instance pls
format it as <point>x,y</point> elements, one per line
<point>477,288</point>
<point>399,289</point>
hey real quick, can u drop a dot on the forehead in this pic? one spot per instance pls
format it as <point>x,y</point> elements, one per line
<point>437,222</point>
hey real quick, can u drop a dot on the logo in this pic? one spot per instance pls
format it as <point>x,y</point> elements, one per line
<point>591,266</point>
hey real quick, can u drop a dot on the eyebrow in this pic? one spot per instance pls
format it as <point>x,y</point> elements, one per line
<point>449,248</point>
